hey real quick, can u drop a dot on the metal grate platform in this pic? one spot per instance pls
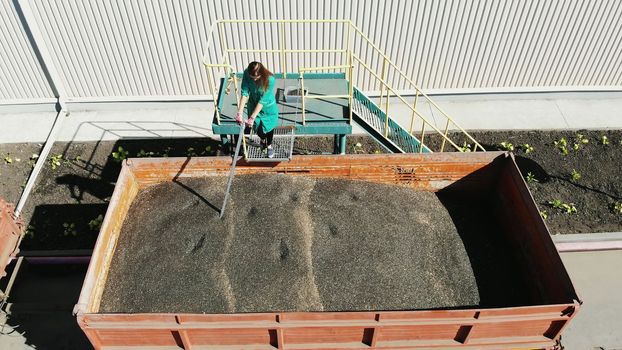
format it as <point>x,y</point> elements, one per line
<point>282,143</point>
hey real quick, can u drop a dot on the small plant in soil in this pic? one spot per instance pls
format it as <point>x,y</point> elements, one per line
<point>465,147</point>
<point>531,178</point>
<point>33,160</point>
<point>357,148</point>
<point>69,229</point>
<point>96,223</point>
<point>190,152</point>
<point>120,155</point>
<point>604,140</point>
<point>143,154</point>
<point>166,152</point>
<point>8,159</point>
<point>616,208</point>
<point>568,208</point>
<point>544,215</point>
<point>580,140</point>
<point>575,175</point>
<point>55,161</point>
<point>207,151</point>
<point>562,145</point>
<point>506,146</point>
<point>30,231</point>
<point>527,148</point>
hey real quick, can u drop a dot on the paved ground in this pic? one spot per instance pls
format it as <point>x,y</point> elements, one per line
<point>111,121</point>
<point>597,277</point>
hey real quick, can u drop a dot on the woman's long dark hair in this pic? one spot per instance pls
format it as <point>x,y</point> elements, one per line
<point>256,68</point>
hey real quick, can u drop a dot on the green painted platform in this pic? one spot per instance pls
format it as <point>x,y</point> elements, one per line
<point>323,116</point>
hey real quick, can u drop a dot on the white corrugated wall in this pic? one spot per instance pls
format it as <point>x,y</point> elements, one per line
<point>152,48</point>
<point>21,75</point>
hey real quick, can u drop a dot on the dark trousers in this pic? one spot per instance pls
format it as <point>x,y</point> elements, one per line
<point>264,136</point>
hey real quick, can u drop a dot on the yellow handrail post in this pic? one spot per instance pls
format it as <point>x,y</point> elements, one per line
<point>221,36</point>
<point>422,137</point>
<point>412,118</point>
<point>349,25</point>
<point>282,44</point>
<point>386,119</point>
<point>445,135</point>
<point>350,85</point>
<point>384,66</point>
<point>212,89</point>
<point>302,93</point>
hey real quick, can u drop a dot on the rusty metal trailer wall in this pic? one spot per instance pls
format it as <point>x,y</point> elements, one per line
<point>11,233</point>
<point>531,326</point>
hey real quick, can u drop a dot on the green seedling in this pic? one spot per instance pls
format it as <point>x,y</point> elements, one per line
<point>616,208</point>
<point>166,152</point>
<point>604,140</point>
<point>207,151</point>
<point>30,231</point>
<point>190,152</point>
<point>568,208</point>
<point>562,145</point>
<point>69,229</point>
<point>96,223</point>
<point>120,155</point>
<point>8,159</point>
<point>77,159</point>
<point>528,148</point>
<point>142,154</point>
<point>55,161</point>
<point>33,159</point>
<point>531,178</point>
<point>357,148</point>
<point>466,147</point>
<point>580,139</point>
<point>544,215</point>
<point>506,146</point>
<point>575,175</point>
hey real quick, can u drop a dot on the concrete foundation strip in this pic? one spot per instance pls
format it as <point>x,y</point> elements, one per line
<point>586,242</point>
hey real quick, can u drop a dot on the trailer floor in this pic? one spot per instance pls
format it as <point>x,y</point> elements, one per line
<point>299,244</point>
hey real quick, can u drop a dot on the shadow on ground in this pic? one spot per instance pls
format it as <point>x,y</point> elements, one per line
<point>66,208</point>
<point>41,303</point>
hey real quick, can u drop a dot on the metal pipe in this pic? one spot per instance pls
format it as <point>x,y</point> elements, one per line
<point>327,96</point>
<point>282,45</point>
<point>232,171</point>
<point>47,148</point>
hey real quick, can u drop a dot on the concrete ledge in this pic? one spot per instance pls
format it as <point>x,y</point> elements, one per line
<point>588,241</point>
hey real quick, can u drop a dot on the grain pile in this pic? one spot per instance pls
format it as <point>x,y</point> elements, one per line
<point>287,243</point>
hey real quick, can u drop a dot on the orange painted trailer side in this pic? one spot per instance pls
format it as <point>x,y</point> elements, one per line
<point>530,326</point>
<point>11,233</point>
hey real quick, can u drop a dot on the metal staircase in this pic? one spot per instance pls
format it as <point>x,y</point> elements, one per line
<point>365,68</point>
<point>388,133</point>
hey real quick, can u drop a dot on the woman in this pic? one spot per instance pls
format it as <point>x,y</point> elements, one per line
<point>263,113</point>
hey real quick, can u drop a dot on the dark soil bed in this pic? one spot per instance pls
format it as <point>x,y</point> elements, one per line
<point>300,244</point>
<point>72,196</point>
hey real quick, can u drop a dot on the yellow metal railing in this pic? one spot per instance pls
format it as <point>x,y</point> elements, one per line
<point>342,58</point>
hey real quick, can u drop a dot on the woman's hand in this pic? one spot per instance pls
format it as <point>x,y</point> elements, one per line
<point>238,118</point>
<point>250,121</point>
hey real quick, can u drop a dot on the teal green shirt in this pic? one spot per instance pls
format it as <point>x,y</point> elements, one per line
<point>268,117</point>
